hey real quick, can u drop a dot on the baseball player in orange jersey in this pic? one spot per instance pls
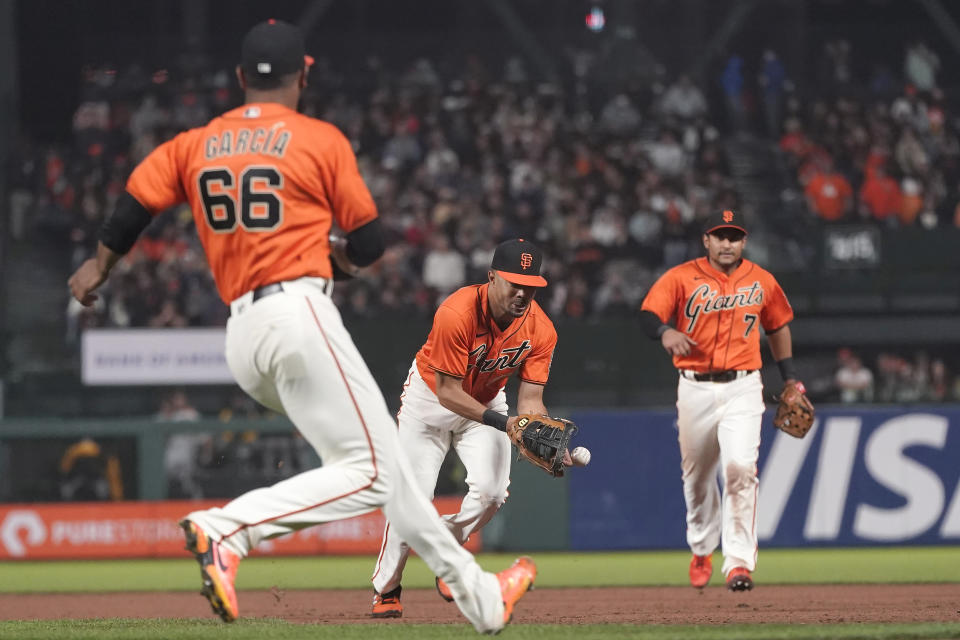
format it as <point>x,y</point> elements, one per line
<point>719,304</point>
<point>454,396</point>
<point>265,184</point>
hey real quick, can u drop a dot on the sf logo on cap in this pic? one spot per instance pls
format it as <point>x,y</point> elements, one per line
<point>526,260</point>
<point>728,216</point>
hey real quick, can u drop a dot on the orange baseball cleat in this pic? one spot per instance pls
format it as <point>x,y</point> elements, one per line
<point>387,605</point>
<point>701,568</point>
<point>515,582</point>
<point>444,590</point>
<point>218,568</point>
<point>739,579</point>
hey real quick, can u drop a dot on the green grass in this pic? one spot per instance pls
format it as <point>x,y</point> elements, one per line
<point>808,566</point>
<point>268,629</point>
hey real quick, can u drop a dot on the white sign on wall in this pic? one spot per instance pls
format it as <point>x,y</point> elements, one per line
<point>154,356</point>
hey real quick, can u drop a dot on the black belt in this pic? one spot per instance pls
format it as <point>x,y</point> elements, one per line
<point>267,290</point>
<point>717,376</point>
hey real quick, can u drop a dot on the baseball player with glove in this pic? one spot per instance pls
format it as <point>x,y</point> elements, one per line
<point>719,303</point>
<point>453,396</point>
<point>265,184</point>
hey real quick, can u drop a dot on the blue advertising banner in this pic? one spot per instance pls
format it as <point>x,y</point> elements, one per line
<point>860,477</point>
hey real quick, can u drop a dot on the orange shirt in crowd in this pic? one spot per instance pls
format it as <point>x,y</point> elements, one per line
<point>830,194</point>
<point>881,196</point>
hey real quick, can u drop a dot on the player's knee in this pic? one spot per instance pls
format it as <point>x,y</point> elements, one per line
<point>739,477</point>
<point>491,496</point>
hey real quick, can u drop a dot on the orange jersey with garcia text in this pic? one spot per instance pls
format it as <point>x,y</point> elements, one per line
<point>722,313</point>
<point>265,184</point>
<point>466,343</point>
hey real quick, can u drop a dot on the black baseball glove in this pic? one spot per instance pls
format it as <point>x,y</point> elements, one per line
<point>543,441</point>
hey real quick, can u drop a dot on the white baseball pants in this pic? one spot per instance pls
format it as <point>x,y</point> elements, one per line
<point>427,431</point>
<point>719,423</point>
<point>291,352</point>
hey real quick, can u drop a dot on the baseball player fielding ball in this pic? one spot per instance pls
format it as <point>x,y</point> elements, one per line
<point>580,456</point>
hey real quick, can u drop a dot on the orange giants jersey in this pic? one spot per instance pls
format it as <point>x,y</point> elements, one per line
<point>466,343</point>
<point>720,312</point>
<point>265,184</point>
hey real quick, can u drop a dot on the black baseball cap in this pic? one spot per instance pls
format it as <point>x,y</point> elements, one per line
<point>273,49</point>
<point>725,219</point>
<point>519,262</point>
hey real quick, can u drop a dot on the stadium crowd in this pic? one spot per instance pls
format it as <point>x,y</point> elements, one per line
<point>455,164</point>
<point>886,151</point>
<point>612,183</point>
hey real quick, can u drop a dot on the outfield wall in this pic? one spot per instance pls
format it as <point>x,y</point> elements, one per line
<point>884,476</point>
<point>860,477</point>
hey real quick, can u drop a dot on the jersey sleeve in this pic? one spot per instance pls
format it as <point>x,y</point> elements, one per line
<point>451,337</point>
<point>155,182</point>
<point>662,297</point>
<point>536,366</point>
<point>776,308</point>
<point>350,199</point>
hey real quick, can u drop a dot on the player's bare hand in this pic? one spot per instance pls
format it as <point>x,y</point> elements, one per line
<point>677,343</point>
<point>567,460</point>
<point>85,280</point>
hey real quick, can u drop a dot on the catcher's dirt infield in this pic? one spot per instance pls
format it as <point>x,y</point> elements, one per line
<point>824,604</point>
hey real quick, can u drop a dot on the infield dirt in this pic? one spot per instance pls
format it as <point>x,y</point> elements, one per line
<point>801,604</point>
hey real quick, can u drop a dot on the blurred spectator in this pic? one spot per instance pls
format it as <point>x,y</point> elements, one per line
<point>773,83</point>
<point>176,407</point>
<point>829,194</point>
<point>444,269</point>
<point>880,196</point>
<point>683,100</point>
<point>619,117</point>
<point>88,473</point>
<point>920,66</point>
<point>854,381</point>
<point>731,80</point>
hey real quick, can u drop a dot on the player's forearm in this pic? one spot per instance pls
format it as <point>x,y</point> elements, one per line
<point>781,346</point>
<point>781,343</point>
<point>532,409</point>
<point>530,399</point>
<point>106,258</point>
<point>451,395</point>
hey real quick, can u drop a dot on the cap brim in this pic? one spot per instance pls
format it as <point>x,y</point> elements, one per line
<point>726,226</point>
<point>522,280</point>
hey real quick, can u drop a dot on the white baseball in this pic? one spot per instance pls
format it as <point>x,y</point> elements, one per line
<point>580,456</point>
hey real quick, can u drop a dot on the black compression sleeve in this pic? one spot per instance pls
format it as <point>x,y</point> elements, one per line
<point>366,244</point>
<point>121,229</point>
<point>788,371</point>
<point>495,419</point>
<point>651,325</point>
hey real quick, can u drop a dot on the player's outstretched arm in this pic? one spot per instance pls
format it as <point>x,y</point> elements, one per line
<point>91,274</point>
<point>118,233</point>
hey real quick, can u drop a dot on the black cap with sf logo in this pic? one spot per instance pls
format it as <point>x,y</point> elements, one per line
<point>519,262</point>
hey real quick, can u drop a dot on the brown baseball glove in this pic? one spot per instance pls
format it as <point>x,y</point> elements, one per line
<point>543,441</point>
<point>795,412</point>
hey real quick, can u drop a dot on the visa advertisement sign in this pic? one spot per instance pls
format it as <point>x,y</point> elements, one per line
<point>860,477</point>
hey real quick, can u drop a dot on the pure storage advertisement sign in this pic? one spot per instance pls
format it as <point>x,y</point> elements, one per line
<point>149,529</point>
<point>860,477</point>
